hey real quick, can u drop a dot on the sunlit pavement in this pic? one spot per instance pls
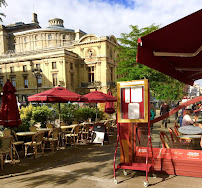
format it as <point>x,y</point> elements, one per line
<point>85,166</point>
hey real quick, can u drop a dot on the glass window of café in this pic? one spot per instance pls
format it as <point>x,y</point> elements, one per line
<point>38,67</point>
<point>11,69</point>
<point>25,82</point>
<point>54,79</point>
<point>24,68</point>
<point>91,74</point>
<point>39,81</point>
<point>13,81</point>
<point>72,79</point>
<point>71,66</point>
<point>53,65</point>
<point>1,82</point>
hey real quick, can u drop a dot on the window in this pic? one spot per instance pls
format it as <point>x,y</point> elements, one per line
<point>1,82</point>
<point>25,82</point>
<point>72,79</point>
<point>38,67</point>
<point>24,68</point>
<point>0,70</point>
<point>53,65</point>
<point>49,37</point>
<point>91,74</point>
<point>54,79</point>
<point>13,81</point>
<point>39,81</point>
<point>12,69</point>
<point>71,66</point>
<point>111,73</point>
<point>25,40</point>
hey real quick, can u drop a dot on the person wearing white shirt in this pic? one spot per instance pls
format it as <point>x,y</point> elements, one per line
<point>187,120</point>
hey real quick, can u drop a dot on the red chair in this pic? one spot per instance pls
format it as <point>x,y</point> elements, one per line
<point>176,142</point>
<point>165,140</point>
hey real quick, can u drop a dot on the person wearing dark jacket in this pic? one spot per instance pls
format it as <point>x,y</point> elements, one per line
<point>164,109</point>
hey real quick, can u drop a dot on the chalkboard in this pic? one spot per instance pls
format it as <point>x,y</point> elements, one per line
<point>190,129</point>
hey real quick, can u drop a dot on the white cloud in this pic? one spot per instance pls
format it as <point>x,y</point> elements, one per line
<point>98,17</point>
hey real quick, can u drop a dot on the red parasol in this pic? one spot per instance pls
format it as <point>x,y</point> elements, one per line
<point>109,106</point>
<point>9,115</point>
<point>99,97</point>
<point>57,94</point>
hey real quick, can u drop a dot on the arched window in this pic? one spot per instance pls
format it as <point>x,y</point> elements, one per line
<point>49,37</point>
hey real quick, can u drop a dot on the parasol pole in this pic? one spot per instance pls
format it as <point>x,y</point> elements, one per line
<point>59,114</point>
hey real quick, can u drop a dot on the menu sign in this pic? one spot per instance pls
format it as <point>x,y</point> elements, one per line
<point>133,101</point>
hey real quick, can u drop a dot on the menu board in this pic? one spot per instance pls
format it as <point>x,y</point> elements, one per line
<point>132,101</point>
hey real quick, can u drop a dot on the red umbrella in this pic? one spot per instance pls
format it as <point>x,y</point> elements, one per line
<point>57,94</point>
<point>99,97</point>
<point>9,115</point>
<point>109,106</point>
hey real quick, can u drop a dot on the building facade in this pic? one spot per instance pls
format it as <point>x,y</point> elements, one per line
<point>36,59</point>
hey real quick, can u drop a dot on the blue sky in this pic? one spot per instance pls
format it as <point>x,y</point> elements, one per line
<point>101,17</point>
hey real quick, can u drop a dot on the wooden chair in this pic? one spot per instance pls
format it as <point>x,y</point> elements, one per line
<point>176,127</point>
<point>16,143</point>
<point>86,131</point>
<point>73,135</point>
<point>6,149</point>
<point>7,132</point>
<point>165,140</point>
<point>49,125</point>
<point>35,143</point>
<point>53,137</point>
<point>33,128</point>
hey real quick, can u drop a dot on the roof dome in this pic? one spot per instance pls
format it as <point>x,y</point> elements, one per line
<point>56,22</point>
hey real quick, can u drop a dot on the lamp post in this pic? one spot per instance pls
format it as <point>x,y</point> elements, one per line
<point>37,73</point>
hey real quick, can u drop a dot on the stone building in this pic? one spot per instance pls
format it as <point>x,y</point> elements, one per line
<point>36,59</point>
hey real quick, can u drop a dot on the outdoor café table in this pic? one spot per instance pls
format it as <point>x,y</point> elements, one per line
<point>44,129</point>
<point>190,130</point>
<point>25,133</point>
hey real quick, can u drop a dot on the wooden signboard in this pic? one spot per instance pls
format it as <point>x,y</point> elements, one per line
<point>132,101</point>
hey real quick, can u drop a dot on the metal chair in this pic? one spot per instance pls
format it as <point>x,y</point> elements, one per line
<point>165,140</point>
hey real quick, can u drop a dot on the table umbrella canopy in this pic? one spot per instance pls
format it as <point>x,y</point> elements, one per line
<point>9,115</point>
<point>57,94</point>
<point>109,106</point>
<point>176,49</point>
<point>99,97</point>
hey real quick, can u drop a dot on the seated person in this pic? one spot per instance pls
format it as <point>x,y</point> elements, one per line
<point>187,120</point>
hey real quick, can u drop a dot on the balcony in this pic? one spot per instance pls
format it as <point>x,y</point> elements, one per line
<point>111,84</point>
<point>90,85</point>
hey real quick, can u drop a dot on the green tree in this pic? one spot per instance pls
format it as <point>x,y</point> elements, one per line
<point>161,86</point>
<point>2,3</point>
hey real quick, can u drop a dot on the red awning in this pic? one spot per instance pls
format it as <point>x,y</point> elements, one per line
<point>176,49</point>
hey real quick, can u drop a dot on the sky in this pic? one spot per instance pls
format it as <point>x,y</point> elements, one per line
<point>100,17</point>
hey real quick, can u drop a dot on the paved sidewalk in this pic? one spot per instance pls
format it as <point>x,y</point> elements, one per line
<point>84,166</point>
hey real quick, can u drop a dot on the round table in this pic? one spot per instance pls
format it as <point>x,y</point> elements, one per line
<point>25,133</point>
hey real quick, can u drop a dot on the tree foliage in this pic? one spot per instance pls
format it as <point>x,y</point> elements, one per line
<point>161,86</point>
<point>2,3</point>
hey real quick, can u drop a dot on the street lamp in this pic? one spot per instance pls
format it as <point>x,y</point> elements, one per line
<point>37,73</point>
